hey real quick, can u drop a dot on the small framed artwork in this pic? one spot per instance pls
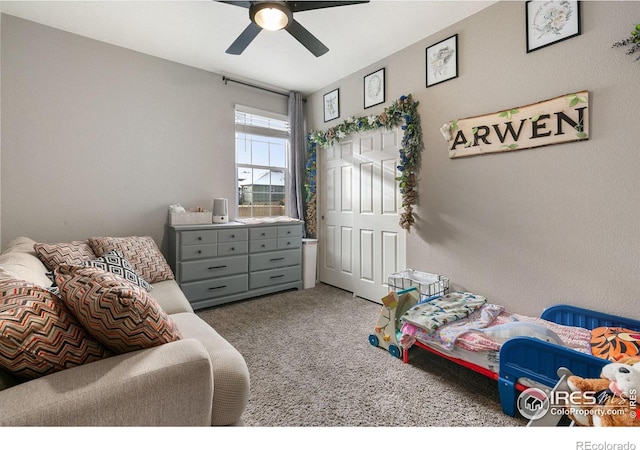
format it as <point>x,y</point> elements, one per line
<point>442,61</point>
<point>331,105</point>
<point>549,22</point>
<point>374,88</point>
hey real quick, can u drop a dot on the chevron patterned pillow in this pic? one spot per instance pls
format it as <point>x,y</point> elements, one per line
<point>38,335</point>
<point>74,252</point>
<point>122,316</point>
<point>114,262</point>
<point>141,251</point>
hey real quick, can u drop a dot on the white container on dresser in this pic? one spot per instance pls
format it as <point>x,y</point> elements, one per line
<point>220,263</point>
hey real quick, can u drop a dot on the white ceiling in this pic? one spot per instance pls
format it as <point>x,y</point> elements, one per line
<point>197,33</point>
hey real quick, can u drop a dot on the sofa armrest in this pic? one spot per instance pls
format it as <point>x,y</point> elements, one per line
<point>171,384</point>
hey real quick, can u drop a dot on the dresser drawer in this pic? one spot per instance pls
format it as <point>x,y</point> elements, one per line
<point>218,287</point>
<point>233,235</point>
<point>263,233</point>
<point>188,252</point>
<point>263,245</point>
<point>209,268</point>
<point>289,242</point>
<point>232,248</point>
<point>198,237</point>
<point>262,261</point>
<point>289,231</point>
<point>273,277</point>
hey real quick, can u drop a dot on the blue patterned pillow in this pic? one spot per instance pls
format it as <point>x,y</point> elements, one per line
<point>114,262</point>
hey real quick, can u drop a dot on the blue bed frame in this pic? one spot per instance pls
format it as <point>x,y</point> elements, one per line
<point>539,361</point>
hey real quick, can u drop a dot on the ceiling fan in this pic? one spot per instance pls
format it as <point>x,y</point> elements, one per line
<point>277,16</point>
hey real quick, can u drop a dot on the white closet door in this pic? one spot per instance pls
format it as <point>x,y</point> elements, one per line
<point>361,241</point>
<point>336,215</point>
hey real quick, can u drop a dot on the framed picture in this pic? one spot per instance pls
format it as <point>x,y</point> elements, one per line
<point>549,22</point>
<point>442,61</point>
<point>374,88</point>
<point>331,105</point>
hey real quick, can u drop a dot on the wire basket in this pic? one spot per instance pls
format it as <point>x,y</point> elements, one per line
<point>429,285</point>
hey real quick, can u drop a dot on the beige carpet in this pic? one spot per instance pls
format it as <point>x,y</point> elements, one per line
<point>311,364</point>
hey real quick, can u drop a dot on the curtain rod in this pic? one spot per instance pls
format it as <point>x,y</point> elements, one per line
<point>226,80</point>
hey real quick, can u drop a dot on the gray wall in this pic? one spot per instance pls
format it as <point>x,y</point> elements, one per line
<point>0,128</point>
<point>531,228</point>
<point>99,140</point>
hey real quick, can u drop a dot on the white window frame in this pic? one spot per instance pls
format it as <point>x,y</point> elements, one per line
<point>260,131</point>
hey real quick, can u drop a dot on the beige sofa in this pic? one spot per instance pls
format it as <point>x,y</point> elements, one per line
<point>199,380</point>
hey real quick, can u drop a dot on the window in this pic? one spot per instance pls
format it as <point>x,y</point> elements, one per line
<point>262,142</point>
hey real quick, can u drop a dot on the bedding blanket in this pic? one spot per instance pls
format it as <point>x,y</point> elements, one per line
<point>436,313</point>
<point>447,336</point>
<point>461,335</point>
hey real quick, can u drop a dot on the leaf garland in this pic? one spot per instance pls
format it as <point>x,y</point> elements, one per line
<point>403,112</point>
<point>633,41</point>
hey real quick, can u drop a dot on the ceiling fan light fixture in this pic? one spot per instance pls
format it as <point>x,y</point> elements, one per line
<point>270,16</point>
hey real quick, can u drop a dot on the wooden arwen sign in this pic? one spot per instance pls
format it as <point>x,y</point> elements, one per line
<point>554,121</point>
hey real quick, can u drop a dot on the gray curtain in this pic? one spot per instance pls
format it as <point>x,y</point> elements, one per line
<point>297,158</point>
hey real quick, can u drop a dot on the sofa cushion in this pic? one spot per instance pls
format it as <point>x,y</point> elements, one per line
<point>74,252</point>
<point>170,297</point>
<point>19,259</point>
<point>38,335</point>
<point>141,251</point>
<point>114,262</point>
<point>231,381</point>
<point>4,273</point>
<point>122,316</point>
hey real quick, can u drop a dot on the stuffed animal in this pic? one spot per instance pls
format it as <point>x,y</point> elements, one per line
<point>608,401</point>
<point>502,333</point>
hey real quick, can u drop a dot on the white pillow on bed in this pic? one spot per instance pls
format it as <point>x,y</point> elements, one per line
<point>506,331</point>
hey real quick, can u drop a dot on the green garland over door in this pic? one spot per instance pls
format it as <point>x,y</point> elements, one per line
<point>404,113</point>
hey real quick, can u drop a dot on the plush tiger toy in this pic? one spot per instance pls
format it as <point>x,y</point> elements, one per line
<point>614,343</point>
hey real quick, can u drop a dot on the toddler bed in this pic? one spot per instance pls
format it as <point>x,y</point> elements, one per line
<point>515,362</point>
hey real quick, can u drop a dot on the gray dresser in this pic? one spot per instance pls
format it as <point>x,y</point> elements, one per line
<point>220,263</point>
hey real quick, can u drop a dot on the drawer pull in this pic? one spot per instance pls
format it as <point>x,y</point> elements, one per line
<point>276,259</point>
<point>263,234</point>
<point>199,238</point>
<point>263,246</point>
<point>277,276</point>
<point>233,236</point>
<point>217,267</point>
<point>288,232</point>
<point>199,252</point>
<point>217,287</point>
<point>233,249</point>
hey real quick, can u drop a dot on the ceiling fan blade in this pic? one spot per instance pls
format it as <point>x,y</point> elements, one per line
<point>308,6</point>
<point>244,39</point>
<point>306,38</point>
<point>240,4</point>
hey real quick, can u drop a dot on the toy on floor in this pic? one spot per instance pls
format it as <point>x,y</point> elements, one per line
<point>609,401</point>
<point>387,330</point>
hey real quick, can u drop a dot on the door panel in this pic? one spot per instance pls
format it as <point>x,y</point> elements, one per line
<point>361,241</point>
<point>346,253</point>
<point>367,256</point>
<point>336,223</point>
<point>366,188</point>
<point>346,199</point>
